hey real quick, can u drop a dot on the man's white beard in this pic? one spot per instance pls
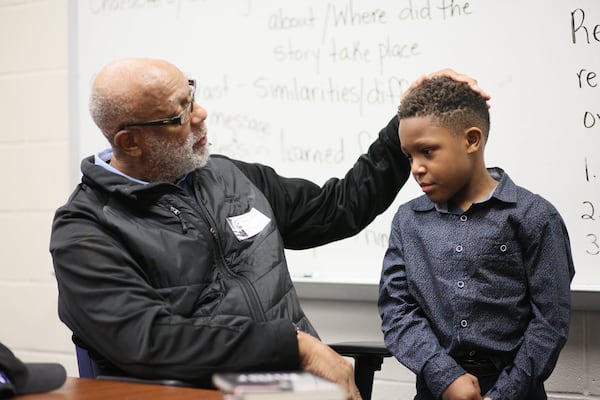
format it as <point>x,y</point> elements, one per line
<point>170,161</point>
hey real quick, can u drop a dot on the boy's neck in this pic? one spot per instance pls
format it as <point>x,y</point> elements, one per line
<point>480,188</point>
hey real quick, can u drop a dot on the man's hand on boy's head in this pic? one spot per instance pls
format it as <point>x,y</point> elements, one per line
<point>465,387</point>
<point>453,75</point>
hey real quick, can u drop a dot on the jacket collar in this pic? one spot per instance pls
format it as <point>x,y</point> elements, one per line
<point>96,175</point>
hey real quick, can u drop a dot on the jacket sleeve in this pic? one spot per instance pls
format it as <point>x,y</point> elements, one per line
<point>309,215</point>
<point>106,299</point>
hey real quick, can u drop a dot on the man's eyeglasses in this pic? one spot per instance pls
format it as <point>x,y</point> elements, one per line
<point>183,118</point>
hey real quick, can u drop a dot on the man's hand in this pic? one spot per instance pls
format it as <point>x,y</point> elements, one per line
<point>453,75</point>
<point>321,360</point>
<point>465,387</point>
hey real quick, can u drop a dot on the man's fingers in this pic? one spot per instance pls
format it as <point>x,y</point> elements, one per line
<point>323,361</point>
<point>452,75</point>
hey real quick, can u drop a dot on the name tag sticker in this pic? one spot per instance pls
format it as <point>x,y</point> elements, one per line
<point>247,225</point>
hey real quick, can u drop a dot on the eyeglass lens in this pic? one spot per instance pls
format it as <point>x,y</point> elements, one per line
<point>186,115</point>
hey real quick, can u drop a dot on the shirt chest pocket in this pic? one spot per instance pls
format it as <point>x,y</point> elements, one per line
<point>499,266</point>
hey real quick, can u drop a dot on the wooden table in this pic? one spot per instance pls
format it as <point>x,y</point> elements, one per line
<point>100,389</point>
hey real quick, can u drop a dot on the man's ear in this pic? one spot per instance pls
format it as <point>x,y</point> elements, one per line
<point>474,139</point>
<point>127,141</point>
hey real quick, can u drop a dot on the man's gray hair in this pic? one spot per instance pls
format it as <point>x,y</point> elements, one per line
<point>109,111</point>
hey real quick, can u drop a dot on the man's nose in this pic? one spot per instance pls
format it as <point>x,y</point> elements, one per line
<point>199,114</point>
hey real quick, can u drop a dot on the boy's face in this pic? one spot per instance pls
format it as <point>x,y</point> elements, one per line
<point>440,161</point>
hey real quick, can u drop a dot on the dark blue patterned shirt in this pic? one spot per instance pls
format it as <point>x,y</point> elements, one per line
<point>491,282</point>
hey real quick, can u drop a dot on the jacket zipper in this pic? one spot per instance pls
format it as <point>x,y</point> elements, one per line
<point>245,284</point>
<point>248,290</point>
<point>177,213</point>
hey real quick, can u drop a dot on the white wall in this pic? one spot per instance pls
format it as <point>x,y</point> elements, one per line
<point>34,151</point>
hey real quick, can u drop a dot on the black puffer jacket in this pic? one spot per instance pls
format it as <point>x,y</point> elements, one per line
<point>157,284</point>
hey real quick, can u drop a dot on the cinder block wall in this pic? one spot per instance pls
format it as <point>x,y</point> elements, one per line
<point>35,174</point>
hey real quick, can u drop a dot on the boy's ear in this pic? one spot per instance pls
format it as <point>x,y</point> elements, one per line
<point>127,140</point>
<point>474,139</point>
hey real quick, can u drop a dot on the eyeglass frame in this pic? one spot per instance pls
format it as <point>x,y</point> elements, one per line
<point>177,120</point>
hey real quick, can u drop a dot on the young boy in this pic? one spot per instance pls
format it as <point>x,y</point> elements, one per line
<point>475,286</point>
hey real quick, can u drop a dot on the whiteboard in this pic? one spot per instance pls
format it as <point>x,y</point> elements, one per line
<point>305,86</point>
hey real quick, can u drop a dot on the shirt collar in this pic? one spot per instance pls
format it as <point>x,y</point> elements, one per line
<point>505,191</point>
<point>102,158</point>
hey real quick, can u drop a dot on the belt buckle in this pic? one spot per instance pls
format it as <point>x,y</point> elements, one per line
<point>475,362</point>
<point>480,367</point>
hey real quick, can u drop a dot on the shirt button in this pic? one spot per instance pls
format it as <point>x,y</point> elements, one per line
<point>463,218</point>
<point>503,248</point>
<point>472,353</point>
<point>458,248</point>
<point>460,284</point>
<point>464,323</point>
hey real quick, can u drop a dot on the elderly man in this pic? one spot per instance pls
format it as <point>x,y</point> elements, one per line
<point>170,261</point>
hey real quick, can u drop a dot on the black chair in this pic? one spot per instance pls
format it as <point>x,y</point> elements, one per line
<point>368,357</point>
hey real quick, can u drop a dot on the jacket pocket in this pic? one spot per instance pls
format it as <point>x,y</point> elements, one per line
<point>193,300</point>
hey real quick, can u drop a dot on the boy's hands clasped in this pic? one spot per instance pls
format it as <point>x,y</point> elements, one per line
<point>465,387</point>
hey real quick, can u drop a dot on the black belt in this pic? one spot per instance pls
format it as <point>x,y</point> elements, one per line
<point>479,367</point>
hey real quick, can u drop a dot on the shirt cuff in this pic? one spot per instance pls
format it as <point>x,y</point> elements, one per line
<point>439,372</point>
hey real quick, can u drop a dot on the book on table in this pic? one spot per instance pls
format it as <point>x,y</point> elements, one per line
<point>277,386</point>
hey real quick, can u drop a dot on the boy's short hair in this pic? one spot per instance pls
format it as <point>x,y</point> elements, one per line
<point>451,104</point>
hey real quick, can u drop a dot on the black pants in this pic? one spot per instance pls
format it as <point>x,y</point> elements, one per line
<point>485,383</point>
